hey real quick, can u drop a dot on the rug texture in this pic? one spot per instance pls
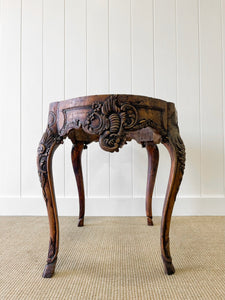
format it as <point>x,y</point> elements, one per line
<point>112,258</point>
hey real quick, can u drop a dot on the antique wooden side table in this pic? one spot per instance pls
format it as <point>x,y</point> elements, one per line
<point>112,120</point>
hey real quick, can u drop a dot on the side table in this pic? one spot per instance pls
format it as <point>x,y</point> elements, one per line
<point>112,120</point>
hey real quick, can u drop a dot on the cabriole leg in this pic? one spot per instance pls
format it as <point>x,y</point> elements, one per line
<point>153,160</point>
<point>77,168</point>
<point>47,146</point>
<point>176,148</point>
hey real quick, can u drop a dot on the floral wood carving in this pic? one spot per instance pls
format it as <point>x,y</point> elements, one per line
<point>109,120</point>
<point>45,145</point>
<point>173,137</point>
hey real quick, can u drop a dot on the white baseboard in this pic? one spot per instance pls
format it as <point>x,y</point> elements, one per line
<point>115,206</point>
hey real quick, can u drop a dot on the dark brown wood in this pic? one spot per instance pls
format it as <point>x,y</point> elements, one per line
<point>77,168</point>
<point>153,160</point>
<point>47,146</point>
<point>175,146</point>
<point>112,120</point>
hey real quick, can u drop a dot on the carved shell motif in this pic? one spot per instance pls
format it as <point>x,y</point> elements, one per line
<point>109,120</point>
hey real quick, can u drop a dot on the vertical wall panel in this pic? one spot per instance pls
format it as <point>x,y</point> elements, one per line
<point>97,46</point>
<point>211,97</point>
<point>142,47</point>
<point>142,63</point>
<point>56,49</point>
<point>10,98</point>
<point>31,91</point>
<point>223,52</point>
<point>53,74</point>
<point>120,82</point>
<point>75,76</point>
<point>165,50</point>
<point>188,92</point>
<point>165,72</point>
<point>75,48</point>
<point>97,83</point>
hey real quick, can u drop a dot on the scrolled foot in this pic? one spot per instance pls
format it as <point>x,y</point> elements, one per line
<point>49,270</point>
<point>168,268</point>
<point>149,221</point>
<point>80,222</point>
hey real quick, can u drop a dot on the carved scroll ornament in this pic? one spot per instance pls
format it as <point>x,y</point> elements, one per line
<point>109,120</point>
<point>48,139</point>
<point>173,137</point>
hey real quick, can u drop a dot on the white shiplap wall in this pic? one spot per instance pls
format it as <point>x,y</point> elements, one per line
<point>58,49</point>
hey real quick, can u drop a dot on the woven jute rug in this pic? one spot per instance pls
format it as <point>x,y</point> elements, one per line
<point>112,258</point>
